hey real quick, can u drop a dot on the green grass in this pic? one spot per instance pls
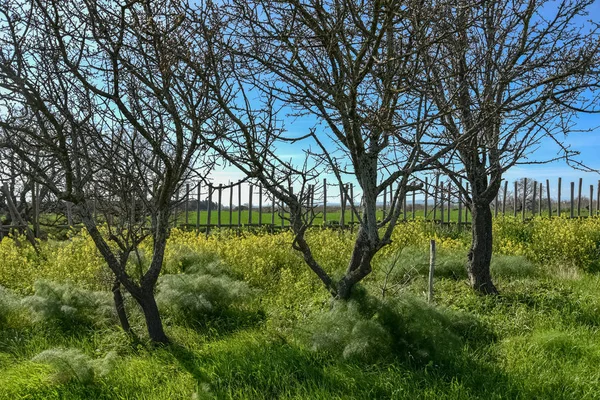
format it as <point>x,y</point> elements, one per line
<point>267,218</point>
<point>539,339</point>
<point>333,216</point>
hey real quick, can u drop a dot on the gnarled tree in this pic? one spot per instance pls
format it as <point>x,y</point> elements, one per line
<point>504,76</point>
<point>98,88</point>
<point>346,65</point>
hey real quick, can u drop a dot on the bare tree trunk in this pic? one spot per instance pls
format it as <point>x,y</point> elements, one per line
<point>120,306</point>
<point>359,266</point>
<point>148,282</point>
<point>152,317</point>
<point>144,293</point>
<point>480,253</point>
<point>345,285</point>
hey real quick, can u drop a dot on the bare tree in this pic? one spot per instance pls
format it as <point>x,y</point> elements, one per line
<point>22,199</point>
<point>96,87</point>
<point>508,75</point>
<point>16,188</point>
<point>348,65</point>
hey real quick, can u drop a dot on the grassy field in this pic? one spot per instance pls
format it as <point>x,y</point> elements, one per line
<point>56,224</point>
<point>333,217</point>
<point>267,218</point>
<point>539,339</point>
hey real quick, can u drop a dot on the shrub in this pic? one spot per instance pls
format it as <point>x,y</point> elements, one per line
<point>344,331</point>
<point>370,329</point>
<point>205,288</point>
<point>66,304</point>
<point>9,305</point>
<point>72,364</point>
<point>68,364</point>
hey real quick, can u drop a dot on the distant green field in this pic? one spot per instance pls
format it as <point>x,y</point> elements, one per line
<point>56,224</point>
<point>266,217</point>
<point>333,216</point>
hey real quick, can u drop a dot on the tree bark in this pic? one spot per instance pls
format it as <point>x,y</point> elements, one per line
<point>120,306</point>
<point>359,266</point>
<point>480,253</point>
<point>152,317</point>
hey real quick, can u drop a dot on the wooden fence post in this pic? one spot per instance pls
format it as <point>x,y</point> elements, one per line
<point>352,204</point>
<point>467,208</point>
<point>572,205</point>
<point>540,200</point>
<point>324,202</point>
<point>442,199</point>
<point>504,198</point>
<point>219,206</point>
<point>579,198</point>
<point>209,209</point>
<point>343,205</point>
<point>431,270</point>
<point>239,219</point>
<point>449,201</point>
<point>260,205</point>
<point>559,193</point>
<point>403,206</point>
<point>346,196</point>
<point>435,196</point>
<point>524,205</point>
<point>198,198</point>
<point>251,188</point>
<point>230,205</point>
<point>591,205</point>
<point>460,205</point>
<point>414,193</point>
<point>426,198</point>
<point>312,199</point>
<point>272,213</point>
<point>598,198</point>
<point>549,198</point>
<point>282,214</point>
<point>533,198</point>
<point>187,204</point>
<point>515,200</point>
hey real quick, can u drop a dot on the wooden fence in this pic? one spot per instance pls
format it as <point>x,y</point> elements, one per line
<point>240,205</point>
<point>438,200</point>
